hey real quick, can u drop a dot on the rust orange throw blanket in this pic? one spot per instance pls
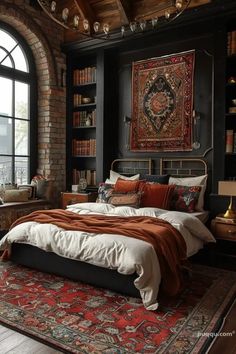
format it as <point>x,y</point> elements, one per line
<point>166,240</point>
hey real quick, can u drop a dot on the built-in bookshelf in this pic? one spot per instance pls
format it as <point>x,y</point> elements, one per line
<point>83,123</point>
<point>230,106</point>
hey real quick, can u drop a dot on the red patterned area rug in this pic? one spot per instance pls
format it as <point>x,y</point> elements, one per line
<point>78,318</point>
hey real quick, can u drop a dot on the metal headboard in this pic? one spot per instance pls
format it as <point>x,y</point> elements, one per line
<point>132,166</point>
<point>183,167</point>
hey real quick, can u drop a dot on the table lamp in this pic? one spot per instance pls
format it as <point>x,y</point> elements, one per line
<point>228,188</point>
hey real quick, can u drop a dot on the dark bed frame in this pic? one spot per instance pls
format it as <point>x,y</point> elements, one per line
<point>33,257</point>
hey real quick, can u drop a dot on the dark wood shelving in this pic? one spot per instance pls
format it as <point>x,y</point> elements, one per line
<point>81,138</point>
<point>84,105</point>
<point>230,114</point>
<point>83,156</point>
<point>84,127</point>
<point>85,84</point>
<point>230,117</point>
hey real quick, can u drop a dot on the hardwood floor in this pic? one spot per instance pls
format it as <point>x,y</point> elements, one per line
<point>226,344</point>
<point>12,342</point>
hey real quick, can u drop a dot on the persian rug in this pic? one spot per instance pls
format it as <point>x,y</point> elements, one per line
<point>78,318</point>
<point>162,103</point>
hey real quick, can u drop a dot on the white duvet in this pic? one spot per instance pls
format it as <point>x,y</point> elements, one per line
<point>125,254</point>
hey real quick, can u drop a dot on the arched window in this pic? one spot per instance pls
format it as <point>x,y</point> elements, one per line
<point>18,111</point>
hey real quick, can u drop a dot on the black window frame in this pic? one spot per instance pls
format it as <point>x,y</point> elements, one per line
<point>30,78</point>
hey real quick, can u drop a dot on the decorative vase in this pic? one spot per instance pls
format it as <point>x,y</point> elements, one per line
<point>88,121</point>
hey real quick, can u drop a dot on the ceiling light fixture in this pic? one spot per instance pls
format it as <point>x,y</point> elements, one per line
<point>147,22</point>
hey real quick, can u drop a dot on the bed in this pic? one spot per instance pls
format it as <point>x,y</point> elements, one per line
<point>108,259</point>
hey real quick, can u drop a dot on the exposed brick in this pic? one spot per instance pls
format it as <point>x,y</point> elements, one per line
<point>44,39</point>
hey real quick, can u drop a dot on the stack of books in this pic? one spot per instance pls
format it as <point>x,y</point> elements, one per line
<point>84,76</point>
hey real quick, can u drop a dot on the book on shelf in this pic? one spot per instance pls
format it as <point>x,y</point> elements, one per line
<point>89,175</point>
<point>84,76</point>
<point>234,143</point>
<point>232,109</point>
<point>85,147</point>
<point>80,118</point>
<point>229,141</point>
<point>231,43</point>
<point>77,101</point>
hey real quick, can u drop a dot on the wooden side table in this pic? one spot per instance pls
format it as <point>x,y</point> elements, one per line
<point>224,252</point>
<point>68,198</point>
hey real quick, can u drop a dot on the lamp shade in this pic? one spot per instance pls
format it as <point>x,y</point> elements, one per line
<point>227,188</point>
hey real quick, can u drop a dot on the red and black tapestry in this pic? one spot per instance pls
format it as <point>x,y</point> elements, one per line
<point>162,103</point>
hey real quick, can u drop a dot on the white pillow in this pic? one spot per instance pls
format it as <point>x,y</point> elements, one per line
<point>114,177</point>
<point>193,181</point>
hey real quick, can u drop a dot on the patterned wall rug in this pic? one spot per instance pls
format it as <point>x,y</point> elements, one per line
<point>162,103</point>
<point>78,318</point>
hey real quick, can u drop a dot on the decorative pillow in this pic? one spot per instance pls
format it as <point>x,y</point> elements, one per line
<point>185,198</point>
<point>162,179</point>
<point>114,176</point>
<point>127,186</point>
<point>31,189</point>
<point>128,199</point>
<point>104,192</point>
<point>16,195</point>
<point>10,186</point>
<point>43,186</point>
<point>157,195</point>
<point>193,181</point>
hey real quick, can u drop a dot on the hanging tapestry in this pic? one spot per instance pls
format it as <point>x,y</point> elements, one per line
<point>162,103</point>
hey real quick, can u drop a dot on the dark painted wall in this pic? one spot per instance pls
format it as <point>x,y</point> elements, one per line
<point>202,30</point>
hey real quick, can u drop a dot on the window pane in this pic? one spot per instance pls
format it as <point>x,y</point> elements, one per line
<point>21,137</point>
<point>5,169</point>
<point>19,59</point>
<point>5,136</point>
<point>6,96</point>
<point>6,61</point>
<point>21,100</point>
<point>2,54</point>
<point>7,41</point>
<point>21,170</point>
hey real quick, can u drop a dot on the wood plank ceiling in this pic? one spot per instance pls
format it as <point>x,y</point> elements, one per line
<point>115,12</point>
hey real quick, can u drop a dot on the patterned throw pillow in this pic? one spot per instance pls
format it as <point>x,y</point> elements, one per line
<point>185,198</point>
<point>125,199</point>
<point>104,192</point>
<point>157,195</point>
<point>193,181</point>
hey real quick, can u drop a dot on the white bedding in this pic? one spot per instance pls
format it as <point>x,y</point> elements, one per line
<point>125,254</point>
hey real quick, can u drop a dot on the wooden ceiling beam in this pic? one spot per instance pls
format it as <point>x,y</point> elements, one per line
<point>124,10</point>
<point>85,10</point>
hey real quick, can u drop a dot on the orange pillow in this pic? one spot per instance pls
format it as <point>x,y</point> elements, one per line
<point>157,195</point>
<point>126,186</point>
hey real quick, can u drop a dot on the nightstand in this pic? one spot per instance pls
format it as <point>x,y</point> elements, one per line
<point>68,198</point>
<point>224,252</point>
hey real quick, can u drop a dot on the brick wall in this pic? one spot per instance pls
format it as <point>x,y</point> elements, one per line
<point>44,38</point>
